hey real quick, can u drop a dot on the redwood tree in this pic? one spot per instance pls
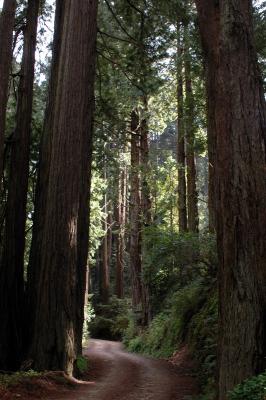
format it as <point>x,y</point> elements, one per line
<point>237,107</point>
<point>135,210</point>
<point>12,263</point>
<point>120,218</point>
<point>181,152</point>
<point>7,20</point>
<point>61,276</point>
<point>192,195</point>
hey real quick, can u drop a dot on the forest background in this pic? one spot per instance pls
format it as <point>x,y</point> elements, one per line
<point>152,278</point>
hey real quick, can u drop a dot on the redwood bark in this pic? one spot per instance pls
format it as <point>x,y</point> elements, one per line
<point>181,155</point>
<point>12,265</point>
<point>7,20</point>
<point>41,191</point>
<point>135,225</point>
<point>63,243</point>
<point>239,114</point>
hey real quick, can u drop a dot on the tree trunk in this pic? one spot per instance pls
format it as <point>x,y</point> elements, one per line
<point>12,266</point>
<point>135,244</point>
<point>63,251</point>
<point>240,116</point>
<point>181,155</point>
<point>209,20</point>
<point>146,204</point>
<point>7,21</point>
<point>119,238</point>
<point>41,191</point>
<point>192,195</point>
<point>105,272</point>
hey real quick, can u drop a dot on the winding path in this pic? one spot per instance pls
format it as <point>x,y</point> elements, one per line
<point>124,376</point>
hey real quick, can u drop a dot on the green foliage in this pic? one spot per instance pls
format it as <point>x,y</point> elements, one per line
<point>82,364</point>
<point>202,339</point>
<point>252,389</point>
<point>169,328</point>
<point>111,321</point>
<point>173,260</point>
<point>98,187</point>
<point>89,315</point>
<point>7,380</point>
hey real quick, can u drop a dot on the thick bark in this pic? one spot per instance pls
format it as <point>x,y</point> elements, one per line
<point>181,155</point>
<point>12,265</point>
<point>63,243</point>
<point>43,172</point>
<point>192,195</point>
<point>240,119</point>
<point>7,20</point>
<point>135,225</point>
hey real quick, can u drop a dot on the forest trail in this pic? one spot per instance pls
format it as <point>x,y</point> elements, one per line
<point>114,374</point>
<point>120,375</point>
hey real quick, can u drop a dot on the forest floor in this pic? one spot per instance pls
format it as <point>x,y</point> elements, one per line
<point>115,374</point>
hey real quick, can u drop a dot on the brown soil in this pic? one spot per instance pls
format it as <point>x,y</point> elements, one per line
<point>114,374</point>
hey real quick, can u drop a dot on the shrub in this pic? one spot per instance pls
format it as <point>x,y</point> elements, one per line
<point>203,336</point>
<point>7,380</point>
<point>168,329</point>
<point>251,389</point>
<point>111,321</point>
<point>82,364</point>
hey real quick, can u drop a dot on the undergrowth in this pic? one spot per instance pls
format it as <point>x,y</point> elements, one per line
<point>7,380</point>
<point>251,389</point>
<point>111,320</point>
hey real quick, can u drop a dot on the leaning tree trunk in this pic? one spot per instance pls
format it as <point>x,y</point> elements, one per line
<point>135,226</point>
<point>240,116</point>
<point>181,155</point>
<point>7,20</point>
<point>12,265</point>
<point>63,251</point>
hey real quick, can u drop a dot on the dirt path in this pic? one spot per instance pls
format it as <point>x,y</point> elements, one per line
<point>115,374</point>
<point>125,376</point>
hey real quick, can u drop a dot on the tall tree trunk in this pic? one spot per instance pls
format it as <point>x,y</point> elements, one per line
<point>12,265</point>
<point>240,116</point>
<point>63,251</point>
<point>7,20</point>
<point>110,234</point>
<point>209,20</point>
<point>192,195</point>
<point>181,155</point>
<point>135,227</point>
<point>145,166</point>
<point>41,191</point>
<point>119,238</point>
<point>146,204</point>
<point>105,271</point>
